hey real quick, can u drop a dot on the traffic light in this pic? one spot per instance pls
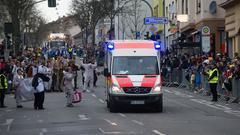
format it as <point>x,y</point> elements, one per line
<point>146,36</point>
<point>51,3</point>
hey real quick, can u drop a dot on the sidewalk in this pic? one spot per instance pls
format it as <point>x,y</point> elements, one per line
<point>202,95</point>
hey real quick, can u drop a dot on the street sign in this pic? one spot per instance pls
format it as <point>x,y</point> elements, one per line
<point>152,29</point>
<point>206,31</point>
<point>155,20</point>
<point>206,39</point>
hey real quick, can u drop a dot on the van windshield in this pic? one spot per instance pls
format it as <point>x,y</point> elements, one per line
<point>135,65</point>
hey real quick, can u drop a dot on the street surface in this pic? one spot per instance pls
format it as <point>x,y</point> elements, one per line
<point>184,113</point>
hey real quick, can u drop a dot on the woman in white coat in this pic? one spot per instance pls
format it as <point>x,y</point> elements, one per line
<point>68,85</point>
<point>88,74</point>
<point>17,79</point>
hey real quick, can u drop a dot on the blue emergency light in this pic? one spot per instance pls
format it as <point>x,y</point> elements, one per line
<point>157,45</point>
<point>110,45</point>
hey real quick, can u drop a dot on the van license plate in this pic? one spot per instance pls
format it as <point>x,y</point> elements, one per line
<point>137,102</point>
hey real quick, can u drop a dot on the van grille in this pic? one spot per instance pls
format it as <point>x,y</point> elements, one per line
<point>137,90</point>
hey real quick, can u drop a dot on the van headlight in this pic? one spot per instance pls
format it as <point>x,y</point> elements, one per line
<point>116,89</point>
<point>157,89</point>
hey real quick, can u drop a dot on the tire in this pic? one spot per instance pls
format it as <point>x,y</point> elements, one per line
<point>112,107</point>
<point>107,103</point>
<point>159,105</point>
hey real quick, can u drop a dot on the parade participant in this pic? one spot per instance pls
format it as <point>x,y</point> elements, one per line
<point>61,67</point>
<point>3,88</point>
<point>88,74</point>
<point>16,82</point>
<point>95,78</point>
<point>49,75</point>
<point>68,86</point>
<point>38,84</point>
<point>75,71</point>
<point>55,76</point>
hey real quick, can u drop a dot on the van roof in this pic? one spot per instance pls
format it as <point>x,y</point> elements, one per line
<point>133,44</point>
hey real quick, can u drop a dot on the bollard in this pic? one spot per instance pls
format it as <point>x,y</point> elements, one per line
<point>236,90</point>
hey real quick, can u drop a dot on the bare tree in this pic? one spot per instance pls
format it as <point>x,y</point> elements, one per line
<point>113,8</point>
<point>133,19</point>
<point>17,10</point>
<point>87,14</point>
<point>81,15</point>
<point>3,18</point>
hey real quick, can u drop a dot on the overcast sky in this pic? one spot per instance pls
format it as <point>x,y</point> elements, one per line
<point>51,14</point>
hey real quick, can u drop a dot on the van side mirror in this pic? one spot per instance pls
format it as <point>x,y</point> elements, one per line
<point>106,72</point>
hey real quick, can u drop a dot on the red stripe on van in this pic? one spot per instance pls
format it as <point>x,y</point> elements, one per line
<point>140,45</point>
<point>124,82</point>
<point>148,81</point>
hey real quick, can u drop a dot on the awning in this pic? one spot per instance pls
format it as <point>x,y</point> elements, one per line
<point>186,45</point>
<point>190,44</point>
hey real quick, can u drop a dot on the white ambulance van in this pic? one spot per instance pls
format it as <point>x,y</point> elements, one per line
<point>132,71</point>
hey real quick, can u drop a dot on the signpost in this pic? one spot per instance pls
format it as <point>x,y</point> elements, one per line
<point>155,20</point>
<point>152,29</point>
<point>206,39</point>
<point>138,35</point>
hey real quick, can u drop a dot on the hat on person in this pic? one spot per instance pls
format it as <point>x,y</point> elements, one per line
<point>206,62</point>
<point>41,70</point>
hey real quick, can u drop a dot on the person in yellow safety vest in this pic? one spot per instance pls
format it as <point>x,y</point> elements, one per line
<point>3,88</point>
<point>213,81</point>
<point>70,51</point>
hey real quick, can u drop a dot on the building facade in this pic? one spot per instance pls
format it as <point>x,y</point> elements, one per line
<point>188,36</point>
<point>232,25</point>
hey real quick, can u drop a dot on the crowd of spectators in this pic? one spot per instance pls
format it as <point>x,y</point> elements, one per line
<point>194,68</point>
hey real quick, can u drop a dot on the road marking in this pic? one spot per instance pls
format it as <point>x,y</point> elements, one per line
<point>138,122</point>
<point>179,93</point>
<point>115,132</point>
<point>94,95</point>
<point>88,91</point>
<point>179,103</point>
<point>8,110</point>
<point>182,95</point>
<point>157,132</point>
<point>123,115</point>
<point>101,100</point>
<point>8,123</point>
<point>82,117</point>
<point>44,130</point>
<point>167,91</point>
<point>218,106</point>
<point>111,123</point>
<point>24,116</point>
<point>40,121</point>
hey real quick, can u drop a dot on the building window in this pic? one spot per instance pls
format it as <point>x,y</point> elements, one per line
<point>186,6</point>
<point>198,6</point>
<point>173,10</point>
<point>182,6</point>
